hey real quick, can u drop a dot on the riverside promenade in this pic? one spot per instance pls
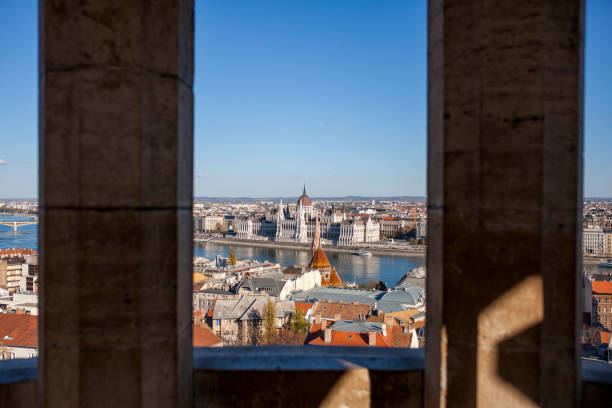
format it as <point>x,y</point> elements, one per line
<point>386,249</point>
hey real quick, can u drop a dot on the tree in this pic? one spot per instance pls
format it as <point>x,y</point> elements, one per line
<point>269,323</point>
<point>232,257</point>
<point>299,324</point>
<point>381,286</point>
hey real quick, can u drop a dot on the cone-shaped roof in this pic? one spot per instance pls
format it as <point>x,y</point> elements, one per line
<point>319,260</point>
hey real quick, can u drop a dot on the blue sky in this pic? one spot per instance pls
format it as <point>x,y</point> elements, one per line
<point>330,93</point>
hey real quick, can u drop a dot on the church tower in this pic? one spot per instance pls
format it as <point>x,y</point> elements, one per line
<point>316,239</point>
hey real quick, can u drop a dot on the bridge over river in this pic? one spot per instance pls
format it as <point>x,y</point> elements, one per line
<point>16,223</point>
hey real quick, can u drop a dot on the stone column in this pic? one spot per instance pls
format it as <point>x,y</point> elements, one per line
<point>505,194</point>
<point>116,165</point>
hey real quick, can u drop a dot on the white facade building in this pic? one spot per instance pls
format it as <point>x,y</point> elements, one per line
<point>593,241</point>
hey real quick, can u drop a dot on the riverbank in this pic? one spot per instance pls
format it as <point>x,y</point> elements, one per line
<point>399,252</point>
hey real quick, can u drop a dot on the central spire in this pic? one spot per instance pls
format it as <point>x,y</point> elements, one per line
<point>304,189</point>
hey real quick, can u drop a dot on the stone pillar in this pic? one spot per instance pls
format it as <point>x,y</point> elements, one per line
<point>505,194</point>
<point>116,165</point>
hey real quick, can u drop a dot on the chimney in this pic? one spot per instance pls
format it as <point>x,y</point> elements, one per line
<point>327,337</point>
<point>371,338</point>
<point>337,317</point>
<point>317,319</point>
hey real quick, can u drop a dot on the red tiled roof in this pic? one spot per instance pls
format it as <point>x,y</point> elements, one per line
<point>316,337</point>
<point>204,337</point>
<point>602,287</point>
<point>605,337</point>
<point>16,252</point>
<point>18,330</point>
<point>302,307</point>
<point>329,310</point>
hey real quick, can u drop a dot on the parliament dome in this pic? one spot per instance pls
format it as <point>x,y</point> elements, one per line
<point>304,199</point>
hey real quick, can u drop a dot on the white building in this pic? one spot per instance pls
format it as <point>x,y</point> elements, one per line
<point>211,223</point>
<point>593,241</point>
<point>281,225</point>
<point>308,280</point>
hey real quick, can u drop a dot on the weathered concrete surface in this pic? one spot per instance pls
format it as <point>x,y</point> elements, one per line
<point>18,383</point>
<point>504,191</point>
<point>308,376</point>
<point>116,167</point>
<point>596,383</point>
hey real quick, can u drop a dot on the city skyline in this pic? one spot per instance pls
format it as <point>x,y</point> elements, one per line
<point>333,96</point>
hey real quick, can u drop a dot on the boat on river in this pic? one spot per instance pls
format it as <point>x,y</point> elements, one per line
<point>607,264</point>
<point>362,253</point>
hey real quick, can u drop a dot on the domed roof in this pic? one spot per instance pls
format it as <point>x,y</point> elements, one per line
<point>304,199</point>
<point>319,260</point>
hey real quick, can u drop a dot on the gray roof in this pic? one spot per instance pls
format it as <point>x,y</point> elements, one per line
<point>338,295</point>
<point>409,297</point>
<point>397,300</point>
<point>216,291</point>
<point>407,282</point>
<point>357,326</point>
<point>249,307</point>
<point>271,286</point>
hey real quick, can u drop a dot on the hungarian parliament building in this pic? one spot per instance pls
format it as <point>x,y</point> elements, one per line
<point>281,225</point>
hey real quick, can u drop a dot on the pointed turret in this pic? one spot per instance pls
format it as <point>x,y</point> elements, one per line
<point>316,239</point>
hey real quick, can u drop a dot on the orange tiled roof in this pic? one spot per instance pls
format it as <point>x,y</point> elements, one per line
<point>316,337</point>
<point>302,307</point>
<point>319,260</point>
<point>602,287</point>
<point>204,337</point>
<point>605,337</point>
<point>16,252</point>
<point>334,279</point>
<point>329,310</point>
<point>18,330</point>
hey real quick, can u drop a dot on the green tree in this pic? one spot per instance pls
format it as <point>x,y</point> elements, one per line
<point>299,324</point>
<point>232,257</point>
<point>269,323</point>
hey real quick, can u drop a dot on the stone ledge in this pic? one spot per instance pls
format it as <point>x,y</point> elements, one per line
<point>305,358</point>
<point>18,370</point>
<point>596,371</point>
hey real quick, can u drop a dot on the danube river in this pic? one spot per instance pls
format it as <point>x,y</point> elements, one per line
<point>352,268</point>
<point>25,237</point>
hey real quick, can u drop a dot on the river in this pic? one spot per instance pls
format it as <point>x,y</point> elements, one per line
<point>351,268</point>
